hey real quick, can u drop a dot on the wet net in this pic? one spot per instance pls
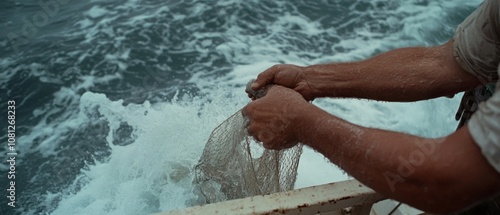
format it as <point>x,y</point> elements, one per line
<point>233,165</point>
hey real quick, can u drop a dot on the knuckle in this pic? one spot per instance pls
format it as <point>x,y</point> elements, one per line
<point>272,70</point>
<point>276,66</point>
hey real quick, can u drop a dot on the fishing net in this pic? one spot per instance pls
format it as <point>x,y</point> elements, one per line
<point>233,165</point>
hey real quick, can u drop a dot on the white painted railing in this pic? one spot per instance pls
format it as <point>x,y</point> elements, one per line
<point>345,197</point>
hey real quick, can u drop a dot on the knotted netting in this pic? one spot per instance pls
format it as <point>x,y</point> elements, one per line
<point>233,165</point>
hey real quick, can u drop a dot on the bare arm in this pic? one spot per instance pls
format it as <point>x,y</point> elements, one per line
<point>406,74</point>
<point>435,175</point>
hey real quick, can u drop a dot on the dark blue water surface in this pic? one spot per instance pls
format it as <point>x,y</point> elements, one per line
<point>52,52</point>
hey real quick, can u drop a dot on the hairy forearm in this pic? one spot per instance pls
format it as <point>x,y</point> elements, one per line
<point>406,74</point>
<point>429,174</point>
<point>366,154</point>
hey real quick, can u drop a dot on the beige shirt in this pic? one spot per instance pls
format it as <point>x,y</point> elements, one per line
<point>477,50</point>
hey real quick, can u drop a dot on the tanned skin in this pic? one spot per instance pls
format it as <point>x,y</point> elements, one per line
<point>440,175</point>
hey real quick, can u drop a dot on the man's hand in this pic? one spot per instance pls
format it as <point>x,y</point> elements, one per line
<point>397,75</point>
<point>286,75</point>
<point>273,118</point>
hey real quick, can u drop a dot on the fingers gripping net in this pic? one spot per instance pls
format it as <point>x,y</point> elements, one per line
<point>234,166</point>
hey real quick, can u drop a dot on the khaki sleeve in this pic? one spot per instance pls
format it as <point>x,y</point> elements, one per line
<point>484,127</point>
<point>476,45</point>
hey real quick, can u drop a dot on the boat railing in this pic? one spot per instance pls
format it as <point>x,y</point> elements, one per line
<point>345,197</point>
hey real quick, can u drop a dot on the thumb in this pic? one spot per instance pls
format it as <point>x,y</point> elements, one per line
<point>263,79</point>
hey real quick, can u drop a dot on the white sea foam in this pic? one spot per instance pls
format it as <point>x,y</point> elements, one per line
<point>148,175</point>
<point>97,11</point>
<point>153,173</point>
<point>53,130</point>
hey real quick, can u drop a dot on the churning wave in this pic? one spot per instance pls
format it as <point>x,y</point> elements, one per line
<point>115,99</point>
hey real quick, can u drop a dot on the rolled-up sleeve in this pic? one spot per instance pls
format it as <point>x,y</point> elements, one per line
<point>476,48</point>
<point>476,45</point>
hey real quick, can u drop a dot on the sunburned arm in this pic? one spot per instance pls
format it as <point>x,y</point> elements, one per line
<point>435,175</point>
<point>406,74</point>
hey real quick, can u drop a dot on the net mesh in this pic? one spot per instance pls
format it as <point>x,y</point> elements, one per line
<point>234,166</point>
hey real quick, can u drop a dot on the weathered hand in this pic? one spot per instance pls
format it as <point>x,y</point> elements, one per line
<point>273,119</point>
<point>285,75</point>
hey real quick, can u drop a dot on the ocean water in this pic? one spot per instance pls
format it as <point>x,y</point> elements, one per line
<point>115,99</point>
